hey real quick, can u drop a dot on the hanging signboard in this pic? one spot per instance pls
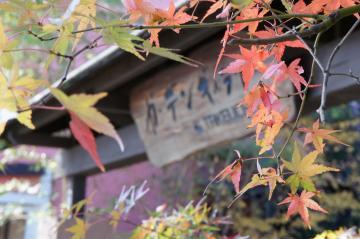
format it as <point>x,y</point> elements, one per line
<point>180,109</point>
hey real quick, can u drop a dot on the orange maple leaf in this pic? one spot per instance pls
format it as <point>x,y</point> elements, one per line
<point>139,9</point>
<point>260,94</point>
<point>315,7</point>
<point>300,204</point>
<point>268,125</point>
<point>317,135</point>
<point>333,5</point>
<point>272,178</point>
<point>247,14</point>
<point>252,100</point>
<point>169,17</point>
<point>246,63</point>
<point>217,4</point>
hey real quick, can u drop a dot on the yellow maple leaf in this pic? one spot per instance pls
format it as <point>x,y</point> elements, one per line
<point>78,230</point>
<point>23,86</point>
<point>84,16</point>
<point>14,96</point>
<point>61,44</point>
<point>3,38</point>
<point>266,177</point>
<point>82,105</point>
<point>268,125</point>
<point>114,218</point>
<point>303,169</point>
<point>5,58</point>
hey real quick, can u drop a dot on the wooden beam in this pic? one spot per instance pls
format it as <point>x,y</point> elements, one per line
<point>76,161</point>
<point>39,139</point>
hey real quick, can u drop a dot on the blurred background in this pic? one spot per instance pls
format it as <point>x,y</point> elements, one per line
<point>31,199</point>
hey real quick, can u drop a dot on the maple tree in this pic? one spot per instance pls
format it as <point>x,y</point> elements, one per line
<point>262,34</point>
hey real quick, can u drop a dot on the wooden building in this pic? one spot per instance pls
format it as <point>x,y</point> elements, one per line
<point>163,108</point>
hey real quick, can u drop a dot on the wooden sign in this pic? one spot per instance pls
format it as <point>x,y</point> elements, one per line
<point>181,109</point>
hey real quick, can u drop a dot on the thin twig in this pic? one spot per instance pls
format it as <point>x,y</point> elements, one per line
<point>51,52</point>
<point>42,38</point>
<point>91,45</point>
<point>321,109</point>
<point>313,30</point>
<point>298,36</point>
<point>294,127</point>
<point>349,75</point>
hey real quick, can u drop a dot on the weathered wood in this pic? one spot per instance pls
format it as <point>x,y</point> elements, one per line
<point>77,161</point>
<point>181,110</point>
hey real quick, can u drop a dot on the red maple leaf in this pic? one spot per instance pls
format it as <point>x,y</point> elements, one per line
<point>233,170</point>
<point>300,204</point>
<point>85,137</point>
<point>292,72</point>
<point>246,63</point>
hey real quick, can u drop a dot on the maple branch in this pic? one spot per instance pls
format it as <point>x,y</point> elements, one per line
<point>312,74</point>
<point>296,34</point>
<point>51,52</point>
<point>315,59</point>
<point>42,38</point>
<point>326,24</point>
<point>91,45</point>
<point>350,75</point>
<point>203,25</point>
<point>326,74</point>
<point>290,94</point>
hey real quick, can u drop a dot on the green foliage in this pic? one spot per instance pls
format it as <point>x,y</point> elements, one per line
<point>191,221</point>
